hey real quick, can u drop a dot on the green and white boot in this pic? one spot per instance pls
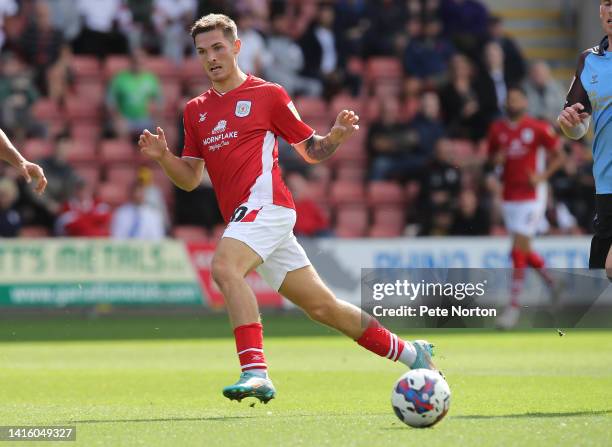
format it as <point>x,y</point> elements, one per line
<point>251,384</point>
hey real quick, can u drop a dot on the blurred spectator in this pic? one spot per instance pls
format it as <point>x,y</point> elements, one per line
<point>259,10</point>
<point>441,182</point>
<point>153,195</point>
<point>65,17</point>
<point>172,18</point>
<point>466,22</point>
<point>198,207</point>
<point>83,215</point>
<point>253,54</point>
<point>134,98</point>
<point>322,57</point>
<point>351,25</point>
<point>40,44</point>
<point>311,222</point>
<point>17,95</point>
<point>558,218</point>
<point>544,92</point>
<point>7,8</point>
<point>468,109</point>
<point>427,55</point>
<point>514,62</point>
<point>495,79</point>
<point>105,27</point>
<point>137,219</point>
<point>60,76</point>
<point>10,220</point>
<point>470,218</point>
<point>63,180</point>
<point>287,60</point>
<point>428,124</point>
<point>390,143</point>
<point>386,19</point>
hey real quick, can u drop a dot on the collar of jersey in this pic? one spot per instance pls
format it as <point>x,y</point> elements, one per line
<point>248,78</point>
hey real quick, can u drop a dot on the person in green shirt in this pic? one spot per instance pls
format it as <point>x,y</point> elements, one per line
<point>134,98</point>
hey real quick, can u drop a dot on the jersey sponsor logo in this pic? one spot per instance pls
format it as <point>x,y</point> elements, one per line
<point>203,116</point>
<point>594,79</point>
<point>220,127</point>
<point>243,108</point>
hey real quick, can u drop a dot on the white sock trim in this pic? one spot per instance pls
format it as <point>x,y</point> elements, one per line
<point>250,349</point>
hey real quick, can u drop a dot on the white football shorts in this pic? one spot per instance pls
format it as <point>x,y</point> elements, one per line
<point>524,217</point>
<point>268,230</point>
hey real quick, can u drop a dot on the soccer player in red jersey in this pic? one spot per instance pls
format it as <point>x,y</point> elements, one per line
<point>520,144</point>
<point>232,129</point>
<point>29,171</point>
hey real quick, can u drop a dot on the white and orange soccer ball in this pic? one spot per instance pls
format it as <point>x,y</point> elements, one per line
<point>421,398</point>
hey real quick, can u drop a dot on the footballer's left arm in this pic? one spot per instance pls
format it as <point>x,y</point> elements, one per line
<point>319,148</point>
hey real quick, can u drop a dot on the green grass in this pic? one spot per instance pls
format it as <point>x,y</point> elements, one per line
<point>141,382</point>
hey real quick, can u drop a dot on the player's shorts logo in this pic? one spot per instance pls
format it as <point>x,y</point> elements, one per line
<point>243,108</point>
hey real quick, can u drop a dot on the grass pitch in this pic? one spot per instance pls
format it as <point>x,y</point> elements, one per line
<point>157,382</point>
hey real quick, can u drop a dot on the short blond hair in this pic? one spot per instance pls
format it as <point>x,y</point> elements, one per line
<point>212,22</point>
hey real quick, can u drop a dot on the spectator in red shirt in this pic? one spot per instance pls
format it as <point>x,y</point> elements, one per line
<point>83,215</point>
<point>311,221</point>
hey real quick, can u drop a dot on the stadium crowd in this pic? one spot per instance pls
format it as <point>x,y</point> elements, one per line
<point>79,80</point>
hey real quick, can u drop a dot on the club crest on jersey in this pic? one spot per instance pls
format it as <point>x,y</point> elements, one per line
<point>243,108</point>
<point>527,136</point>
<point>220,127</point>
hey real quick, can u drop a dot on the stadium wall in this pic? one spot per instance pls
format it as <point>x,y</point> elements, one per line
<point>81,272</point>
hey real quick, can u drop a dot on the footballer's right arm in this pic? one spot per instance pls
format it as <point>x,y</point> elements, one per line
<point>185,173</point>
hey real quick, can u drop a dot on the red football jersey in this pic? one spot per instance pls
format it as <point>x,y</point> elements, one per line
<point>236,133</point>
<point>524,145</point>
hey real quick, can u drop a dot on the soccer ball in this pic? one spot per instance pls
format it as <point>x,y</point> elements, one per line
<point>420,398</point>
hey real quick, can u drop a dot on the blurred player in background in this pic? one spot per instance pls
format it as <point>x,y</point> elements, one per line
<point>29,171</point>
<point>233,129</point>
<point>591,94</point>
<point>519,144</point>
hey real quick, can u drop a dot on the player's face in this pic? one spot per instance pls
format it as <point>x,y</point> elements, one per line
<point>516,103</point>
<point>605,13</point>
<point>217,54</point>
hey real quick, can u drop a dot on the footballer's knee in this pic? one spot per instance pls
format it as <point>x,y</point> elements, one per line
<point>323,311</point>
<point>223,272</point>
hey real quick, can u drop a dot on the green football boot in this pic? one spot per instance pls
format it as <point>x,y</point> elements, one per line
<point>251,384</point>
<point>425,352</point>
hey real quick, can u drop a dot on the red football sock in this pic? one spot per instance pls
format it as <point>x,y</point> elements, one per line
<point>535,260</point>
<point>249,345</point>
<point>519,262</point>
<point>379,340</point>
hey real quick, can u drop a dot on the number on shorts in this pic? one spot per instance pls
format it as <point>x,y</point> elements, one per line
<point>239,214</point>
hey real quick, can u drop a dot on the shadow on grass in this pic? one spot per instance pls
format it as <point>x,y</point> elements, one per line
<point>536,415</point>
<point>178,419</point>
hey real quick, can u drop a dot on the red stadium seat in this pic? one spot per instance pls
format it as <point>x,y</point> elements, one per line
<point>37,148</point>
<point>89,173</point>
<point>350,173</point>
<point>311,108</point>
<point>192,72</point>
<point>379,68</point>
<point>344,193</point>
<point>171,91</point>
<point>85,131</point>
<point>92,91</point>
<point>114,64</point>
<point>113,194</point>
<point>390,216</point>
<point>46,110</point>
<point>34,232</point>
<point>384,231</point>
<point>352,152</point>
<point>117,151</point>
<point>351,221</point>
<point>86,67</point>
<point>82,151</point>
<point>165,69</point>
<point>122,175</point>
<point>190,233</point>
<point>385,193</point>
<point>80,110</point>
<point>347,102</point>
